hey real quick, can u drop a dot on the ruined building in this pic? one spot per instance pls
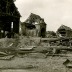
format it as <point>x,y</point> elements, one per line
<point>34,26</point>
<point>64,31</point>
<point>9,17</point>
<point>51,34</point>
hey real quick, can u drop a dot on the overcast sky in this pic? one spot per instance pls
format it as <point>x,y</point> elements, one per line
<point>54,12</point>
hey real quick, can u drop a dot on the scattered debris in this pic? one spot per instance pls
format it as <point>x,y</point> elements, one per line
<point>27,67</point>
<point>61,55</point>
<point>2,54</point>
<point>9,57</point>
<point>10,45</point>
<point>27,48</point>
<point>68,63</point>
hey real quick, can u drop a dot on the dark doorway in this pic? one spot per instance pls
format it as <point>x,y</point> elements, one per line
<point>62,32</point>
<point>43,32</point>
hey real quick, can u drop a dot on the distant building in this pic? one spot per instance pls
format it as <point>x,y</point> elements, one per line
<point>34,26</point>
<point>64,31</point>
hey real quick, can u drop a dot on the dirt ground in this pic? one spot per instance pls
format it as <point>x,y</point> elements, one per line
<point>31,64</point>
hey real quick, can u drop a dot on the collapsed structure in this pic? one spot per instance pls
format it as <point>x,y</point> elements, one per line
<point>64,31</point>
<point>34,26</point>
<point>9,18</point>
<point>51,34</point>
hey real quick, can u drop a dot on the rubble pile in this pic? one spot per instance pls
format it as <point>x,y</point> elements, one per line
<point>6,42</point>
<point>27,41</point>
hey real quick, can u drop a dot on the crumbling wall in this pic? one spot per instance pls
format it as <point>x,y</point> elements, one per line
<point>34,23</point>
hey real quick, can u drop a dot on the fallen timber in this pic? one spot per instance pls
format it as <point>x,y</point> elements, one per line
<point>31,50</point>
<point>61,55</point>
<point>60,47</point>
<point>63,48</point>
<point>51,50</point>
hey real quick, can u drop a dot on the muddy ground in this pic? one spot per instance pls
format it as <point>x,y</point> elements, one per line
<point>31,64</point>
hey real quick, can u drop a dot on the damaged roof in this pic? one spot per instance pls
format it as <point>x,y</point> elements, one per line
<point>33,18</point>
<point>64,27</point>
